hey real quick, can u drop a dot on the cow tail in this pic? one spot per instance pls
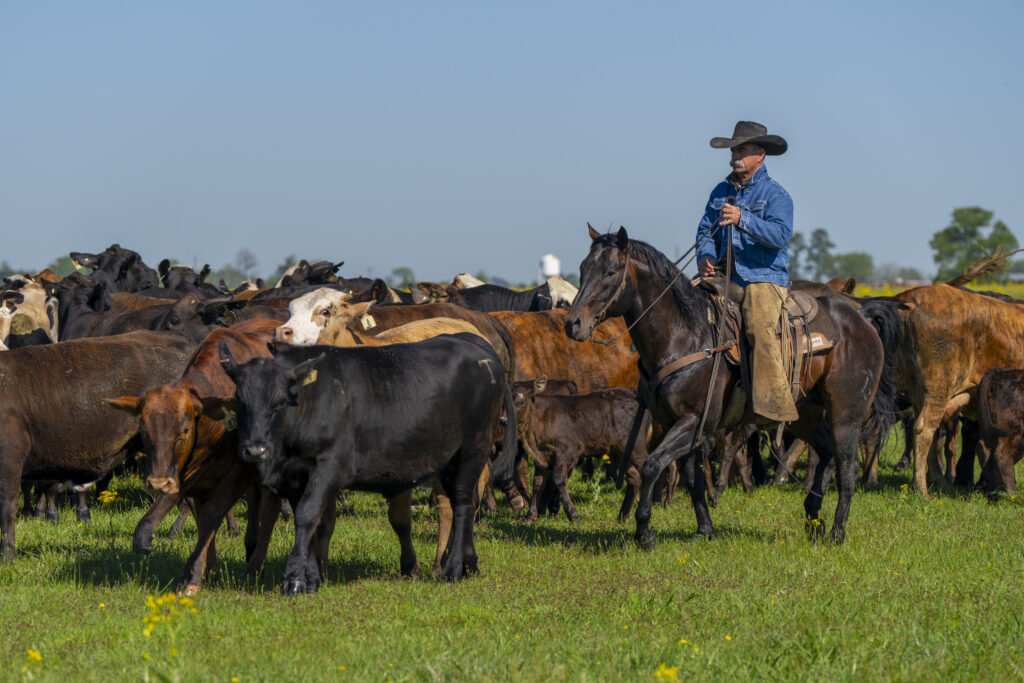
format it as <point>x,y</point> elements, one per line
<point>510,347</point>
<point>502,468</point>
<point>888,322</point>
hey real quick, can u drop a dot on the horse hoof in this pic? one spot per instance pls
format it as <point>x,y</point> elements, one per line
<point>815,529</point>
<point>647,539</point>
<point>294,587</point>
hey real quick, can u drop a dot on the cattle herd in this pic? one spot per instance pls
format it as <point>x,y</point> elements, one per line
<point>288,395</point>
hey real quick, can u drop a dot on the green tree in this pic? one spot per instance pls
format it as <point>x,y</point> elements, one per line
<point>797,249</point>
<point>819,255</point>
<point>402,277</point>
<point>962,242</point>
<point>62,266</point>
<point>232,276</point>
<point>856,264</point>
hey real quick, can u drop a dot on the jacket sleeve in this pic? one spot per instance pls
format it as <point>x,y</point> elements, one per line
<point>707,248</point>
<point>775,227</point>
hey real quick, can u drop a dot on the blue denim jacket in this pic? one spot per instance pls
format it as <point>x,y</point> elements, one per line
<point>765,227</point>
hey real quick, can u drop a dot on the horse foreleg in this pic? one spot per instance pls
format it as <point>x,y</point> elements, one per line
<point>675,443</point>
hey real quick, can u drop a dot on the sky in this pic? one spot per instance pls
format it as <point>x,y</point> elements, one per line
<point>467,136</point>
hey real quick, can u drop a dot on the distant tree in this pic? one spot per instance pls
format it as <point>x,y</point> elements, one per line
<point>232,276</point>
<point>572,278</point>
<point>6,269</point>
<point>482,277</point>
<point>289,261</point>
<point>797,249</point>
<point>62,266</point>
<point>246,262</point>
<point>856,264</point>
<point>892,272</point>
<point>961,243</point>
<point>402,277</point>
<point>908,274</point>
<point>819,255</point>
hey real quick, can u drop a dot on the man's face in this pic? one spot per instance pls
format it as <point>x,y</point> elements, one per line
<point>746,158</point>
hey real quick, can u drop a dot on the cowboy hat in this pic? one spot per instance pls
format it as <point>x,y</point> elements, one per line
<point>755,134</point>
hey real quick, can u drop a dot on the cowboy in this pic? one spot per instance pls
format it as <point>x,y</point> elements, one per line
<point>760,212</point>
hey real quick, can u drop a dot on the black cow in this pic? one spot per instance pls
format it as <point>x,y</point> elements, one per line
<point>384,419</point>
<point>52,415</point>
<point>122,269</point>
<point>490,298</point>
<point>184,279</point>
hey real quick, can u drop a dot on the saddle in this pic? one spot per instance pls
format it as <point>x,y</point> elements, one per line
<point>809,332</point>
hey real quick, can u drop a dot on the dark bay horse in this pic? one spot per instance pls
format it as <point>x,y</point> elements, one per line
<point>623,277</point>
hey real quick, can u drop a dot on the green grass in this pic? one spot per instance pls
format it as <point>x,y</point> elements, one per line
<point>922,589</point>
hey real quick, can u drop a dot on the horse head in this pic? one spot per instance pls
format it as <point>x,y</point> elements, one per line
<point>604,279</point>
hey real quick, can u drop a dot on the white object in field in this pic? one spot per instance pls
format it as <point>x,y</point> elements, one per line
<point>550,266</point>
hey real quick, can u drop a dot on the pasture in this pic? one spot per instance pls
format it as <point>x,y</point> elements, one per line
<point>921,589</point>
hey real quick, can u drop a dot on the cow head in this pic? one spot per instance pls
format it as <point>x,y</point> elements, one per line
<point>29,314</point>
<point>264,389</point>
<point>436,293</point>
<point>309,314</point>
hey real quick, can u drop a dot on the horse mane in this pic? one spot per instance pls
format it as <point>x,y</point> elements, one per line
<point>689,304</point>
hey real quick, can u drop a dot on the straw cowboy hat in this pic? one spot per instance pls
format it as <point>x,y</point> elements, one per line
<point>755,134</point>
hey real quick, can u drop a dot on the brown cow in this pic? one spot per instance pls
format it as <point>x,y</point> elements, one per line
<point>950,338</point>
<point>196,455</point>
<point>557,431</point>
<point>1001,421</point>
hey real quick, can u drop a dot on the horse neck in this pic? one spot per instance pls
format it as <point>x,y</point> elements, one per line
<point>665,332</point>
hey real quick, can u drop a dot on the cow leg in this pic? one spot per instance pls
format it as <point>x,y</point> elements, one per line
<point>949,446</point>
<point>925,431</point>
<point>260,529</point>
<point>309,513</point>
<point>462,486</point>
<point>676,440</point>
<point>13,449</point>
<point>632,484</point>
<point>541,475</point>
<point>232,523</point>
<point>319,551</point>
<point>400,517</point>
<point>725,468</point>
<point>50,497</point>
<point>27,510</point>
<point>142,538</point>
<point>742,458</point>
<point>187,506</point>
<point>209,516</point>
<point>444,523</point>
<point>561,478</point>
<point>969,435</point>
<point>82,508</point>
<point>788,461</point>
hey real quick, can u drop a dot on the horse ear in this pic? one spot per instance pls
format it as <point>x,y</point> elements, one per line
<point>622,239</point>
<point>594,234</point>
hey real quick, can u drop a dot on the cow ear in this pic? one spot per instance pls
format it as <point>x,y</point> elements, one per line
<point>302,374</point>
<point>851,284</point>
<point>260,284</point>
<point>594,234</point>
<point>540,384</point>
<point>419,296</point>
<point>99,298</point>
<point>227,361</point>
<point>622,239</point>
<point>204,272</point>
<point>217,408</point>
<point>129,404</point>
<point>379,291</point>
<point>164,267</point>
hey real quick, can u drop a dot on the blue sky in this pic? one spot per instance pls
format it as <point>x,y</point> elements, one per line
<point>452,137</point>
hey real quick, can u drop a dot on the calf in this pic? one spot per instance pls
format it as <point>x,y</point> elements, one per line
<point>54,421</point>
<point>1001,422</point>
<point>559,430</point>
<point>380,419</point>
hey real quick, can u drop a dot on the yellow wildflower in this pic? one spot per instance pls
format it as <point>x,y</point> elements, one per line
<point>108,497</point>
<point>667,673</point>
<point>33,654</point>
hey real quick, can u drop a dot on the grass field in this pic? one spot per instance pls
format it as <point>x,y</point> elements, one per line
<point>922,589</point>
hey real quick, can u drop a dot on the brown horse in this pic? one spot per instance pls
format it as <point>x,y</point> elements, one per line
<point>623,277</point>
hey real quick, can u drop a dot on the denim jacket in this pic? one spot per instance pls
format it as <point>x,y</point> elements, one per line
<point>765,227</point>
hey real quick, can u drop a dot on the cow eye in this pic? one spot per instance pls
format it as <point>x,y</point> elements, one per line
<point>325,312</point>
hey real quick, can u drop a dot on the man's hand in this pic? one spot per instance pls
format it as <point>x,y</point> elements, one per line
<point>706,267</point>
<point>730,215</point>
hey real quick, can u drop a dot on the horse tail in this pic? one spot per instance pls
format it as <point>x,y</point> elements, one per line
<point>885,316</point>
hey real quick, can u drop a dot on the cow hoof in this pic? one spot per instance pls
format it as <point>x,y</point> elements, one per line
<point>647,539</point>
<point>705,534</point>
<point>85,517</point>
<point>52,518</point>
<point>838,535</point>
<point>411,573</point>
<point>190,590</point>
<point>294,587</point>
<point>516,503</point>
<point>143,547</point>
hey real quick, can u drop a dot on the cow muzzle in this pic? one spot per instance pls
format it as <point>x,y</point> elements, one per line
<point>283,335</point>
<point>255,453</point>
<point>165,485</point>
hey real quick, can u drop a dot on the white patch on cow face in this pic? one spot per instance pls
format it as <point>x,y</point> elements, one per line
<point>310,313</point>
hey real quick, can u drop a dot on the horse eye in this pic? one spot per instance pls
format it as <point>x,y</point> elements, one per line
<point>610,273</point>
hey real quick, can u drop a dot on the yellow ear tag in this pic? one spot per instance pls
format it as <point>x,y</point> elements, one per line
<point>368,322</point>
<point>310,377</point>
<point>230,422</point>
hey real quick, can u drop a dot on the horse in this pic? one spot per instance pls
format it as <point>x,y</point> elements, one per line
<point>845,390</point>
